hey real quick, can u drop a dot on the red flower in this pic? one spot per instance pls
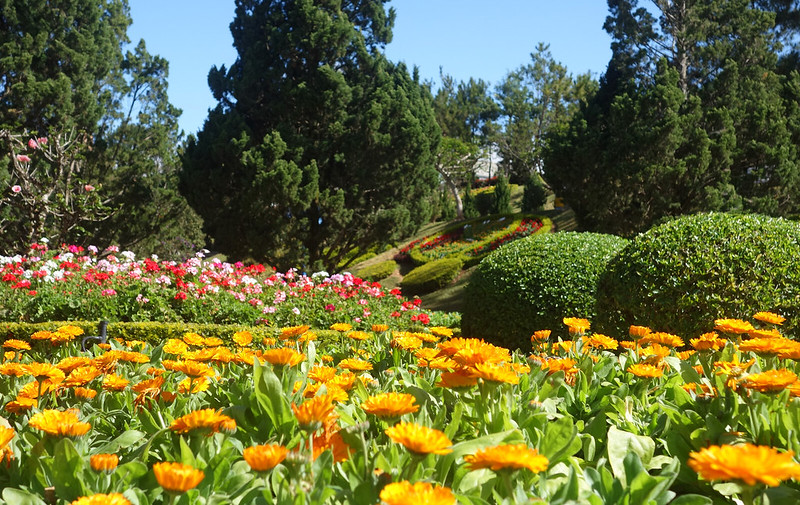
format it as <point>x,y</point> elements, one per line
<point>180,295</point>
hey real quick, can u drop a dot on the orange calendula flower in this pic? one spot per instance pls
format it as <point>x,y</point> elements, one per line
<point>440,331</point>
<point>734,326</point>
<point>637,332</point>
<point>344,381</point>
<point>204,421</point>
<point>769,381</point>
<point>312,414</point>
<point>358,335</point>
<point>341,327</point>
<point>662,338</point>
<point>44,371</point>
<point>420,439</point>
<point>175,346</point>
<point>748,463</point>
<point>708,342</point>
<point>557,364</point>
<point>577,325</point>
<point>18,345</point>
<point>654,353</point>
<point>598,341</point>
<point>243,338</point>
<point>474,351</point>
<point>194,339</point>
<point>85,393</point>
<point>70,330</point>
<point>404,492</point>
<point>407,342</point>
<point>21,405</point>
<point>82,375</point>
<point>540,336</point>
<point>321,373</point>
<point>71,363</point>
<point>190,385</point>
<point>511,456</point>
<point>293,331</point>
<point>102,499</point>
<point>114,382</point>
<point>765,333</point>
<point>390,404</point>
<point>496,372</point>
<point>355,364</point>
<point>177,478</point>
<point>104,462</point>
<point>769,317</point>
<point>457,379</point>
<point>283,356</point>
<point>646,371</point>
<point>59,423</point>
<point>193,368</point>
<point>212,342</point>
<point>767,346</point>
<point>733,368</point>
<point>264,457</point>
<point>6,434</point>
<point>380,328</point>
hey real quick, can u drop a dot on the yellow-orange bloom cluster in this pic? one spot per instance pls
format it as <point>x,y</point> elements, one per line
<point>751,464</point>
<point>390,404</point>
<point>265,457</point>
<point>511,456</point>
<point>177,478</point>
<point>59,423</point>
<point>206,421</point>
<point>420,439</point>
<point>404,492</point>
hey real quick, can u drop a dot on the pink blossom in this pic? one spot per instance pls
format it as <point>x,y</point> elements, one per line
<point>296,310</point>
<point>330,307</point>
<point>42,141</point>
<point>16,188</point>
<point>88,188</point>
<point>23,158</point>
<point>108,292</point>
<point>32,143</point>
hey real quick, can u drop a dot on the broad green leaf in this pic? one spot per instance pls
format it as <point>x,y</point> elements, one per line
<point>621,443</point>
<point>66,471</point>
<point>123,441</point>
<point>20,497</point>
<point>691,499</point>
<point>560,440</point>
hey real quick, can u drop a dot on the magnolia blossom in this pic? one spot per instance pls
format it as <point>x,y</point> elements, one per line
<point>16,188</point>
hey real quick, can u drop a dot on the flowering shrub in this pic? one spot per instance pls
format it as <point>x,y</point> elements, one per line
<point>71,283</point>
<point>385,416</point>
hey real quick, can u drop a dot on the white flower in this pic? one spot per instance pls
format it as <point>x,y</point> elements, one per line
<point>296,310</point>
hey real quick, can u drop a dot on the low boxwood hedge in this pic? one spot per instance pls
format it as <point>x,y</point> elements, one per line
<point>377,271</point>
<point>431,276</point>
<point>533,283</point>
<point>682,275</point>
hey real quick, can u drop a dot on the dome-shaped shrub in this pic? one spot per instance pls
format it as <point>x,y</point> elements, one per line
<point>431,276</point>
<point>682,275</point>
<point>533,283</point>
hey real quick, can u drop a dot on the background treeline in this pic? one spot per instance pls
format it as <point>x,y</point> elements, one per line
<point>322,146</point>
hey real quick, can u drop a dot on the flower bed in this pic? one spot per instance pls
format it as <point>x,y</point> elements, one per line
<point>383,415</point>
<point>75,284</point>
<point>473,239</point>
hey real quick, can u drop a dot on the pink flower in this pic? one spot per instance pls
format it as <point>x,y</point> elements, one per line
<point>42,141</point>
<point>33,144</point>
<point>23,158</point>
<point>108,292</point>
<point>88,187</point>
<point>16,188</point>
<point>330,307</point>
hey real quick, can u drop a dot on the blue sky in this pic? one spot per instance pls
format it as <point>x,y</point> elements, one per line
<point>467,38</point>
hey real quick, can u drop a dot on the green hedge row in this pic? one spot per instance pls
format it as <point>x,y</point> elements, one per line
<point>431,276</point>
<point>377,271</point>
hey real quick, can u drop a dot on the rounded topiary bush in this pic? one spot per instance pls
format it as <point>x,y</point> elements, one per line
<point>682,275</point>
<point>533,283</point>
<point>431,276</point>
<point>377,271</point>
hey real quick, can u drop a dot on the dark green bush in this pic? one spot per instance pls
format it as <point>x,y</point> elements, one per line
<point>377,271</point>
<point>535,194</point>
<point>533,283</point>
<point>682,275</point>
<point>501,201</point>
<point>469,204</point>
<point>431,276</point>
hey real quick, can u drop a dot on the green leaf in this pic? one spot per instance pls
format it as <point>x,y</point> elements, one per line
<point>20,497</point>
<point>129,472</point>
<point>691,499</point>
<point>123,441</point>
<point>66,471</point>
<point>621,443</point>
<point>560,440</point>
<point>269,395</point>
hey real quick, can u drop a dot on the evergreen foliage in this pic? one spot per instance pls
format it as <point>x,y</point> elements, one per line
<point>431,276</point>
<point>534,195</point>
<point>501,203</point>
<point>470,204</point>
<point>318,144</point>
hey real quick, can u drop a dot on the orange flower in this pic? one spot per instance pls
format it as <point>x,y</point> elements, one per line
<point>342,327</point>
<point>192,368</point>
<point>598,341</point>
<point>440,331</point>
<point>312,414</point>
<point>654,353</point>
<point>390,404</point>
<point>769,381</point>
<point>21,405</point>
<point>662,338</point>
<point>765,333</point>
<point>102,499</point>
<point>733,368</point>
<point>457,379</point>
<point>15,369</point>
<point>734,326</point>
<point>18,345</point>
<point>379,328</point>
<point>85,393</point>
<point>767,345</point>
<point>175,346</point>
<point>321,373</point>
<point>748,463</point>
<point>496,372</point>
<point>104,462</point>
<point>59,423</point>
<point>646,371</point>
<point>540,336</point>
<point>82,375</point>
<point>358,335</point>
<point>473,351</point>
<point>6,434</point>
<point>70,363</point>
<point>212,342</point>
<point>404,492</point>
<point>577,325</point>
<point>355,364</point>
<point>194,339</point>
<point>557,364</point>
<point>344,381</point>
<point>293,331</point>
<point>513,456</point>
<point>708,342</point>
<point>264,457</point>
<point>283,356</point>
<point>406,342</point>
<point>420,439</point>
<point>243,338</point>
<point>769,317</point>
<point>44,371</point>
<point>114,382</point>
<point>177,478</point>
<point>43,335</point>
<point>205,421</point>
<point>637,332</point>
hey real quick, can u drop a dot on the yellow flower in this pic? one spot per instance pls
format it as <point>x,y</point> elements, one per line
<point>598,341</point>
<point>176,477</point>
<point>748,463</point>
<point>341,327</point>
<point>193,386</point>
<point>420,439</point>
<point>540,336</point>
<point>243,338</point>
<point>637,332</point>
<point>312,414</point>
<point>769,317</point>
<point>358,335</point>
<point>406,342</point>
<point>212,342</point>
<point>733,368</point>
<point>102,499</point>
<point>577,325</point>
<point>513,456</point>
<point>440,331</point>
<point>283,356</point>
<point>734,326</point>
<point>82,375</point>
<point>321,373</point>
<point>355,364</point>
<point>206,421</point>
<point>420,493</point>
<point>293,331</point>
<point>265,457</point>
<point>104,462</point>
<point>379,328</point>
<point>769,381</point>
<point>662,338</point>
<point>175,346</point>
<point>114,383</point>
<point>19,345</point>
<point>644,370</point>
<point>390,404</point>
<point>70,330</point>
<point>496,372</point>
<point>59,423</point>
<point>708,342</point>
<point>194,339</point>
<point>6,434</point>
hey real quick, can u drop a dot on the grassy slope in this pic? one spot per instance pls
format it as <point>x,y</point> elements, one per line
<point>448,299</point>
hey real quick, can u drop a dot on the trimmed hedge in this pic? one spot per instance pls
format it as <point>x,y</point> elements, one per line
<point>682,275</point>
<point>533,283</point>
<point>377,271</point>
<point>431,276</point>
